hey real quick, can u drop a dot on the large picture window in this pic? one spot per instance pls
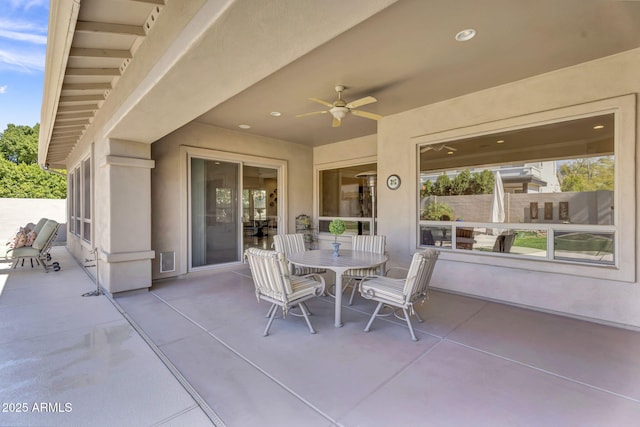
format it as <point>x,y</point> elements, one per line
<point>543,192</point>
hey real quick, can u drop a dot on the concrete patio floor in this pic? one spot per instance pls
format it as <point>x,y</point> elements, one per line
<point>477,363</point>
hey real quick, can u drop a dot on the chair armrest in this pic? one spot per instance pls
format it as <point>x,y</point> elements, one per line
<point>318,278</point>
<point>388,270</point>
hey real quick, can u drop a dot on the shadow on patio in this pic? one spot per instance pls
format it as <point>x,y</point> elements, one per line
<point>476,362</point>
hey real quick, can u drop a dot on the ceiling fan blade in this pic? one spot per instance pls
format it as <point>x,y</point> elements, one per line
<point>320,101</point>
<point>312,114</point>
<point>362,101</point>
<point>336,122</point>
<point>366,114</point>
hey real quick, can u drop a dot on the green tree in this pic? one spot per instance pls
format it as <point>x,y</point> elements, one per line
<point>442,186</point>
<point>437,211</point>
<point>20,175</point>
<point>460,184</point>
<point>587,174</point>
<point>482,182</point>
<point>19,144</point>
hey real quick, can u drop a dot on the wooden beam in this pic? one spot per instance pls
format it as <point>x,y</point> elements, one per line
<point>63,124</point>
<point>65,142</point>
<point>68,131</point>
<point>158,2</point>
<point>86,86</point>
<point>76,108</point>
<point>92,72</point>
<point>99,53</point>
<point>73,116</point>
<point>81,98</point>
<point>104,27</point>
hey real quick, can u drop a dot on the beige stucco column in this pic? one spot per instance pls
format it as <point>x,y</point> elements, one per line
<point>123,205</point>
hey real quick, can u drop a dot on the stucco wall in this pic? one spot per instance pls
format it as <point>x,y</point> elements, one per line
<point>167,184</point>
<point>573,292</point>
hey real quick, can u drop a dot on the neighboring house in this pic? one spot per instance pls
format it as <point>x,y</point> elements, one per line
<point>176,122</point>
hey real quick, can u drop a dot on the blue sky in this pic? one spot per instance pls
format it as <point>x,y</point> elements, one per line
<point>23,40</point>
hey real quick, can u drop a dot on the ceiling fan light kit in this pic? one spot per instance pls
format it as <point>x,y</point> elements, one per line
<point>340,108</point>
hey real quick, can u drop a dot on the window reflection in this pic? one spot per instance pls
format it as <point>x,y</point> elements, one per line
<point>589,247</point>
<point>558,174</point>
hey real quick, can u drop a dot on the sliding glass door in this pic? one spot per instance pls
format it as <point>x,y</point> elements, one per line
<point>214,212</point>
<point>233,204</point>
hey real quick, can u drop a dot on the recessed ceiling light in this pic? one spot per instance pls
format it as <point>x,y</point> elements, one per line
<point>465,35</point>
<point>500,141</point>
<point>276,113</point>
<point>598,127</point>
<point>244,126</point>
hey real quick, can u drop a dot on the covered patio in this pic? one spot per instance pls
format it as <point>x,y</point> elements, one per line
<point>476,363</point>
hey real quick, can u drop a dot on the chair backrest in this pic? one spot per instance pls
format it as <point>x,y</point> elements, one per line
<point>368,243</point>
<point>420,271</point>
<point>39,225</point>
<point>46,235</point>
<point>289,243</point>
<point>270,273</point>
<point>504,242</point>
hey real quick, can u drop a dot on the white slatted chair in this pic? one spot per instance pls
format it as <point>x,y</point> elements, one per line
<point>293,243</point>
<point>364,243</point>
<point>402,293</point>
<point>274,284</point>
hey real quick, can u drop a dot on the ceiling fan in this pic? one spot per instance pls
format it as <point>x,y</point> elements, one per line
<point>437,148</point>
<point>340,108</point>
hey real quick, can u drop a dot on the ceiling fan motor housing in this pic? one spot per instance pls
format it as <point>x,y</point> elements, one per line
<point>339,111</point>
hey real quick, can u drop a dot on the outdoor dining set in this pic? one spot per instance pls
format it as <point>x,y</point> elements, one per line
<point>290,275</point>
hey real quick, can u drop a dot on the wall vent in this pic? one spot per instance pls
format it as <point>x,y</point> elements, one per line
<point>167,262</point>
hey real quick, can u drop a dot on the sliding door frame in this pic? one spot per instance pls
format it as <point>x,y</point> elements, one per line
<point>186,154</point>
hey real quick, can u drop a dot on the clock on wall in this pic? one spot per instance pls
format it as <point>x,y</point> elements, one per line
<point>393,182</point>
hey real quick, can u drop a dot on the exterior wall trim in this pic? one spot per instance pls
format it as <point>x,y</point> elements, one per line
<point>127,256</point>
<point>129,162</point>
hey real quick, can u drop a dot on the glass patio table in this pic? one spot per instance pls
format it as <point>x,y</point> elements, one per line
<point>347,260</point>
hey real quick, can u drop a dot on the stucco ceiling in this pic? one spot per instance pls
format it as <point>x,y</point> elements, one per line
<point>405,56</point>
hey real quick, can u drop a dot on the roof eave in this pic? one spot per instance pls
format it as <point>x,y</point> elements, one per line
<point>62,22</point>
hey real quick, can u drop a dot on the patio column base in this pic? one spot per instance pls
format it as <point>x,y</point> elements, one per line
<point>125,271</point>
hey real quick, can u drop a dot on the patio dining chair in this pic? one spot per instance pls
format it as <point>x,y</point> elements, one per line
<point>364,243</point>
<point>274,284</point>
<point>402,294</point>
<point>292,243</point>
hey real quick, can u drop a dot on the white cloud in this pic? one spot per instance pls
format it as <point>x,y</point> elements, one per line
<point>23,31</point>
<point>22,61</point>
<point>3,89</point>
<point>23,37</point>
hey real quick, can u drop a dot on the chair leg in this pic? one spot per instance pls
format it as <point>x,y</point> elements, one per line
<point>273,307</point>
<point>306,317</point>
<point>353,291</point>
<point>373,316</point>
<point>406,316</point>
<point>304,307</point>
<point>418,317</point>
<point>273,315</point>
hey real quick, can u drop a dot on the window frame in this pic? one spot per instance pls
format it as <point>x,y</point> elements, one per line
<point>79,193</point>
<point>317,191</point>
<point>624,265</point>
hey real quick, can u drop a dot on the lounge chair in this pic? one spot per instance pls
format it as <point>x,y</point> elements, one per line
<point>39,250</point>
